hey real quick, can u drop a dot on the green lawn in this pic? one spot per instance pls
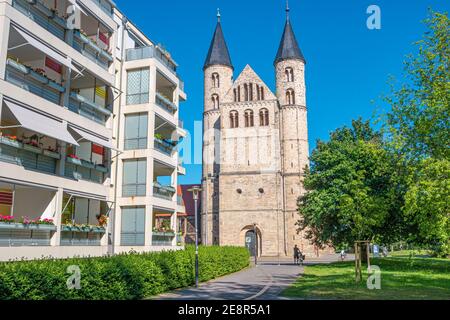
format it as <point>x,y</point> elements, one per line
<point>402,277</point>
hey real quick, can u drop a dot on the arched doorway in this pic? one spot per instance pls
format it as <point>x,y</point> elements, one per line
<point>251,242</point>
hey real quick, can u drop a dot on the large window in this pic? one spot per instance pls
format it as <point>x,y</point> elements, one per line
<point>138,84</point>
<point>234,119</point>
<point>264,117</point>
<point>134,178</point>
<point>133,226</point>
<point>136,127</point>
<point>249,121</point>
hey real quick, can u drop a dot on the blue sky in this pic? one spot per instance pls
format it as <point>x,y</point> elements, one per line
<point>348,65</point>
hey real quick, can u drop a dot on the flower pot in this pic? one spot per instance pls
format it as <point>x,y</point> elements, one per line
<point>98,230</point>
<point>87,164</point>
<point>10,142</point>
<point>8,226</point>
<point>18,66</point>
<point>56,86</point>
<point>51,154</point>
<point>38,77</point>
<point>31,148</point>
<point>74,161</point>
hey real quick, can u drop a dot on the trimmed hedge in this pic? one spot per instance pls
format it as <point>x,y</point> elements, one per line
<point>121,277</point>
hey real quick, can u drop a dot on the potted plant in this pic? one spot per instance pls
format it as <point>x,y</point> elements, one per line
<point>32,145</point>
<point>39,75</point>
<point>72,158</point>
<point>52,153</point>
<point>10,140</point>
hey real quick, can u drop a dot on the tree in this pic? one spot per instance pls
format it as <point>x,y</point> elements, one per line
<point>351,191</point>
<point>418,129</point>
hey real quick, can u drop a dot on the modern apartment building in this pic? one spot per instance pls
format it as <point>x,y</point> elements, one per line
<point>88,127</point>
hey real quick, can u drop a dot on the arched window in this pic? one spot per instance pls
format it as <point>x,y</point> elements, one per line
<point>215,101</point>
<point>235,94</point>
<point>239,94</point>
<point>245,92</point>
<point>290,97</point>
<point>234,119</point>
<point>262,93</point>
<point>263,117</point>
<point>249,122</point>
<point>289,74</point>
<point>216,80</point>
<point>250,86</point>
<point>258,93</point>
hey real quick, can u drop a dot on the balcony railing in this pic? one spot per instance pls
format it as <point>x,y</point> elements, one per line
<point>28,79</point>
<point>88,109</point>
<point>69,238</point>
<point>165,192</point>
<point>42,15</point>
<point>29,157</point>
<point>165,103</point>
<point>105,5</point>
<point>90,49</point>
<point>164,147</point>
<point>148,53</point>
<point>18,235</point>
<point>84,170</point>
<point>162,239</point>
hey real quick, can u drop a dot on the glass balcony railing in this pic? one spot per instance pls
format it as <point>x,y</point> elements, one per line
<point>165,192</point>
<point>148,53</point>
<point>89,109</point>
<point>30,80</point>
<point>165,103</point>
<point>80,239</point>
<point>164,147</point>
<point>105,5</point>
<point>47,18</point>
<point>84,172</point>
<point>162,240</point>
<point>91,50</point>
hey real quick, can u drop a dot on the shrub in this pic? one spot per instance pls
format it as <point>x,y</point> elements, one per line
<point>120,277</point>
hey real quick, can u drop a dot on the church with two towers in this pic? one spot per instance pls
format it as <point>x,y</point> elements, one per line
<point>255,150</point>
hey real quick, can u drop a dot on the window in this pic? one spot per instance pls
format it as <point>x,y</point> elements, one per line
<point>138,84</point>
<point>250,87</point>
<point>234,119</point>
<point>262,93</point>
<point>249,118</point>
<point>290,97</point>
<point>239,94</point>
<point>258,93</point>
<point>245,92</point>
<point>215,101</point>
<point>136,126</point>
<point>264,117</point>
<point>235,94</point>
<point>289,74</point>
<point>134,178</point>
<point>133,226</point>
<point>216,80</point>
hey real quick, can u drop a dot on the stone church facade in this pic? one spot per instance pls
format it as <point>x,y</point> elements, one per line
<point>255,150</point>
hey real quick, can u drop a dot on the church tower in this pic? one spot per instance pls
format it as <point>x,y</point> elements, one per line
<point>218,79</point>
<point>291,93</point>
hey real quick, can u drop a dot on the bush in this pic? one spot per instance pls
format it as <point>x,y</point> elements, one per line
<point>121,277</point>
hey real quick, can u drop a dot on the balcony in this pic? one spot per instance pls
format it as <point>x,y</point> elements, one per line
<point>91,49</point>
<point>163,233</point>
<point>149,53</point>
<point>33,81</point>
<point>88,109</point>
<point>165,103</point>
<point>78,169</point>
<point>106,6</point>
<point>47,18</point>
<point>164,192</point>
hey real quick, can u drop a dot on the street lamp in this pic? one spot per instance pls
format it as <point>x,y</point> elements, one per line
<point>256,244</point>
<point>212,178</point>
<point>195,192</point>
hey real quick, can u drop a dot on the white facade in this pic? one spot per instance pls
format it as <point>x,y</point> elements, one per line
<point>63,103</point>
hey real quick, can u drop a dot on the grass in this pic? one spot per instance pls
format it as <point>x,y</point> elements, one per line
<point>403,277</point>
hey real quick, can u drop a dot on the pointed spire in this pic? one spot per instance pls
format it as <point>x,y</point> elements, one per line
<point>218,53</point>
<point>288,48</point>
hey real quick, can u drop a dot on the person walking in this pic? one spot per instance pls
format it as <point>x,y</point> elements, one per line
<point>297,255</point>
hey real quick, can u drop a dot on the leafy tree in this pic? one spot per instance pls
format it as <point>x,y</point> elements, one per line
<point>350,190</point>
<point>418,129</point>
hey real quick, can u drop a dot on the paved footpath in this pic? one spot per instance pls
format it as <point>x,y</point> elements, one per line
<point>264,282</point>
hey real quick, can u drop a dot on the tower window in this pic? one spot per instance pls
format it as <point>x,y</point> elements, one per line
<point>249,122</point>
<point>289,74</point>
<point>258,93</point>
<point>290,97</point>
<point>262,93</point>
<point>234,119</point>
<point>239,94</point>
<point>235,95</point>
<point>263,117</point>
<point>215,101</point>
<point>216,80</point>
<point>250,87</point>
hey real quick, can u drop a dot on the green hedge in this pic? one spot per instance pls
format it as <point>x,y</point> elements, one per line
<point>121,277</point>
